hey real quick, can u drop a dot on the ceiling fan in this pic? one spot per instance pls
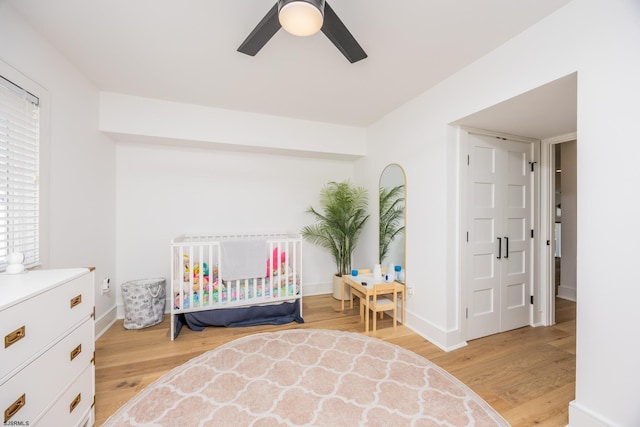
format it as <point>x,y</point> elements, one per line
<point>303,18</point>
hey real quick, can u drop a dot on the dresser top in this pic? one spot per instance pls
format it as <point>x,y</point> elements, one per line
<point>15,288</point>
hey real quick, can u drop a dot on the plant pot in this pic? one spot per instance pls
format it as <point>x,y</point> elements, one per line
<point>337,288</point>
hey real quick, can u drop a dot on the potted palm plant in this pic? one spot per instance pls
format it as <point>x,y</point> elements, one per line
<point>391,217</point>
<point>338,225</point>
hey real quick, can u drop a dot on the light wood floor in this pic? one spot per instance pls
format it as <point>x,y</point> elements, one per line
<point>528,375</point>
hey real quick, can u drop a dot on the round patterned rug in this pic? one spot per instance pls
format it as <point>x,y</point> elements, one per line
<point>307,377</point>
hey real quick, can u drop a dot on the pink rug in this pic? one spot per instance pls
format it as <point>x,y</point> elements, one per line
<point>307,377</point>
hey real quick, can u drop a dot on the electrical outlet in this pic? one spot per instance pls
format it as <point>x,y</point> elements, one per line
<point>106,285</point>
<point>410,291</point>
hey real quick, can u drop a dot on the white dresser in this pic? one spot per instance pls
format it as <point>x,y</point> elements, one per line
<point>47,357</point>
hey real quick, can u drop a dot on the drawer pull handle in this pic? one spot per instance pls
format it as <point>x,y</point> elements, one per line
<point>75,301</point>
<point>14,408</point>
<point>75,402</point>
<point>14,336</point>
<point>75,352</point>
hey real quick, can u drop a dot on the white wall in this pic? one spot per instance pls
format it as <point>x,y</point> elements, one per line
<point>152,120</point>
<point>599,40</point>
<point>164,191</point>
<point>81,179</point>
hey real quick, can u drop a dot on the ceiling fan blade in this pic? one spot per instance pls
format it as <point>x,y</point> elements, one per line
<point>262,33</point>
<point>337,32</point>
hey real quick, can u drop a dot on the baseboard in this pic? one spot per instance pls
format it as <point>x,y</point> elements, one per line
<point>309,289</point>
<point>445,340</point>
<point>579,416</point>
<point>120,311</point>
<point>105,321</point>
<point>567,293</point>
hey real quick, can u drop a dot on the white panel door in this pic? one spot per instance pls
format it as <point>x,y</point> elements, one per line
<point>499,235</point>
<point>484,238</point>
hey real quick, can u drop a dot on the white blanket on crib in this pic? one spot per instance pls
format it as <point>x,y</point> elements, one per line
<point>243,259</point>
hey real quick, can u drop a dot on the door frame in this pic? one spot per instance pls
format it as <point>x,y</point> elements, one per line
<point>546,254</point>
<point>539,310</point>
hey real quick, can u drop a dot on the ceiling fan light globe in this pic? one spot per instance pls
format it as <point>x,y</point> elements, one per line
<point>300,18</point>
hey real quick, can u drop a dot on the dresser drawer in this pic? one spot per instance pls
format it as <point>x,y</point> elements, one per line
<point>30,327</point>
<point>72,408</point>
<point>48,375</point>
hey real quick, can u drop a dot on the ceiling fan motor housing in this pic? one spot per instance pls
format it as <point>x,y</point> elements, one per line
<point>301,17</point>
<point>318,4</point>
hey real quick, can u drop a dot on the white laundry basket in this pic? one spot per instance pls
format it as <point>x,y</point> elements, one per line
<point>144,302</point>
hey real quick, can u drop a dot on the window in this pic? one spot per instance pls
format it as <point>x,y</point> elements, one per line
<point>19,172</point>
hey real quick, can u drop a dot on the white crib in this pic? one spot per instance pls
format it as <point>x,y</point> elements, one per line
<point>199,281</point>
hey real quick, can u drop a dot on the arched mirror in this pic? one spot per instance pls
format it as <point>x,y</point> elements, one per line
<point>392,216</point>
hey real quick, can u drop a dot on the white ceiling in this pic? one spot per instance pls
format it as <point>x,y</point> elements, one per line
<point>544,112</point>
<point>185,51</point>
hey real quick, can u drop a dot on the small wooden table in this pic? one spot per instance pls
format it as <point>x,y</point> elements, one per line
<point>367,291</point>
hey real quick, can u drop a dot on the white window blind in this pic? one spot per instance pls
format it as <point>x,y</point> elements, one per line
<point>19,189</point>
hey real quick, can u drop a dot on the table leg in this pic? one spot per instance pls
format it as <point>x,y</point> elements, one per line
<point>343,284</point>
<point>404,299</point>
<point>366,313</point>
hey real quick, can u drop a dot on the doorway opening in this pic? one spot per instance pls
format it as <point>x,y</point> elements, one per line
<point>562,217</point>
<point>547,114</point>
